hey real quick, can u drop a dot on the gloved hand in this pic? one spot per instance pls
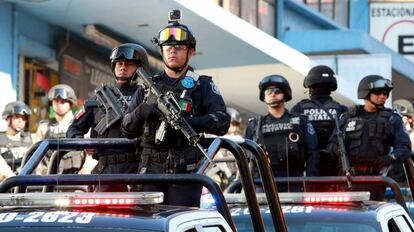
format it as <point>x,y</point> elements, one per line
<point>145,110</point>
<point>384,160</point>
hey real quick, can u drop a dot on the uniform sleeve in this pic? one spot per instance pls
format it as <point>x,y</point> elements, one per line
<point>82,122</point>
<point>249,133</point>
<point>296,109</point>
<point>311,145</point>
<point>401,140</point>
<point>211,116</point>
<point>132,123</point>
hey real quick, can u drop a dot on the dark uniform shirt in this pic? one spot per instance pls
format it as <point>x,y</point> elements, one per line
<point>290,142</point>
<point>202,106</point>
<point>321,110</point>
<point>208,113</point>
<point>89,117</point>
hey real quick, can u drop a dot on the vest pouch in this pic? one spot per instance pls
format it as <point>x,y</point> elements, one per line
<point>71,160</point>
<point>183,160</point>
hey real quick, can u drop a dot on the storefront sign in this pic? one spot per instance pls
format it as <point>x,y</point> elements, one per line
<point>393,25</point>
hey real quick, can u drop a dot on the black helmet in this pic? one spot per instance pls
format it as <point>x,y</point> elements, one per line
<point>234,115</point>
<point>176,33</point>
<point>131,52</point>
<point>16,108</point>
<point>62,91</point>
<point>371,83</point>
<point>277,81</point>
<point>403,107</point>
<point>321,74</point>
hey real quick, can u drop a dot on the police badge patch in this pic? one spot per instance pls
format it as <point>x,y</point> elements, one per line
<point>215,88</point>
<point>295,120</point>
<point>188,82</point>
<point>351,126</point>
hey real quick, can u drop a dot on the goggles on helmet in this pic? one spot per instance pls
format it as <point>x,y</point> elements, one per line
<point>381,84</point>
<point>60,93</point>
<point>124,53</point>
<point>21,110</point>
<point>178,34</point>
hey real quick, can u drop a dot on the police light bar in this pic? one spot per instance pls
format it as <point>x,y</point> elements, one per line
<point>80,199</point>
<point>294,197</point>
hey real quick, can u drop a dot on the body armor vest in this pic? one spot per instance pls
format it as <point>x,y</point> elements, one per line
<point>14,150</point>
<point>55,131</point>
<point>323,123</point>
<point>284,142</point>
<point>185,96</point>
<point>367,139</point>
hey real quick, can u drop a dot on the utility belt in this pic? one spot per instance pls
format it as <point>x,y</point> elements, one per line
<point>178,160</point>
<point>105,160</point>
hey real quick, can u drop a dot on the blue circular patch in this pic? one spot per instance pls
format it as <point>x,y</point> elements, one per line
<point>188,82</point>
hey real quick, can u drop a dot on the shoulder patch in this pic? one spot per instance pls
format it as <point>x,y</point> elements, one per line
<point>215,88</point>
<point>311,130</point>
<point>80,113</point>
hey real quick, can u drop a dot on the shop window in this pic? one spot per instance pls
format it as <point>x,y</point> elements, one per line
<point>267,18</point>
<point>336,10</point>
<point>37,81</point>
<point>249,11</point>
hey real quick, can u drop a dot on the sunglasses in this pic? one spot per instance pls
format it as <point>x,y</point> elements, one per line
<point>177,47</point>
<point>273,90</point>
<point>178,34</point>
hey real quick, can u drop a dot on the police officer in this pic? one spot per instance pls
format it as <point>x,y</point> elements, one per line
<point>288,138</point>
<point>62,98</point>
<point>321,110</point>
<point>15,141</point>
<point>406,110</point>
<point>202,106</point>
<point>125,59</point>
<point>374,135</point>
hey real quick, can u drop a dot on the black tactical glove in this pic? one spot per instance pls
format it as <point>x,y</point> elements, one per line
<point>146,110</point>
<point>384,160</point>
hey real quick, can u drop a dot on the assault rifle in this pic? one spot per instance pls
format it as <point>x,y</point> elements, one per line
<point>170,109</point>
<point>342,152</point>
<point>113,103</point>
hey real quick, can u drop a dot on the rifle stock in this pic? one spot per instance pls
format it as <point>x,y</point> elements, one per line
<point>171,111</point>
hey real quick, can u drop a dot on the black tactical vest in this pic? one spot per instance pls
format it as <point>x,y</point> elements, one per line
<point>188,104</point>
<point>284,142</point>
<point>318,116</point>
<point>367,139</point>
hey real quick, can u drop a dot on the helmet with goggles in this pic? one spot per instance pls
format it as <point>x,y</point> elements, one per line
<point>16,108</point>
<point>175,34</point>
<point>279,82</point>
<point>404,107</point>
<point>130,52</point>
<point>234,115</point>
<point>373,83</point>
<point>62,91</point>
